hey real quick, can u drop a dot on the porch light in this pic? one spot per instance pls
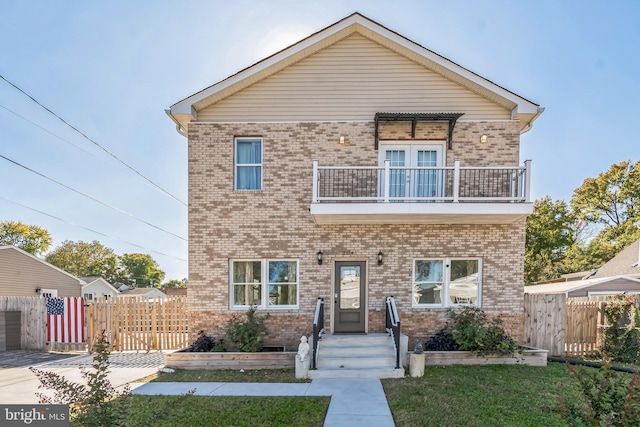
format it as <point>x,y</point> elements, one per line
<point>380,255</point>
<point>341,140</point>
<point>484,138</point>
<point>319,255</point>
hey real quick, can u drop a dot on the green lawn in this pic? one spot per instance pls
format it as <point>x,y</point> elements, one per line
<point>499,395</point>
<point>495,396</point>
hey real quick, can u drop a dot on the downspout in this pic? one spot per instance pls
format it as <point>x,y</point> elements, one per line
<point>179,127</point>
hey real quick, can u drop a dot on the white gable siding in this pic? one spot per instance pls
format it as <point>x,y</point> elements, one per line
<point>351,80</point>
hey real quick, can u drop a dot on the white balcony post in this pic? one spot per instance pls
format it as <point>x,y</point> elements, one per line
<point>527,181</point>
<point>314,197</point>
<point>387,180</point>
<point>456,180</point>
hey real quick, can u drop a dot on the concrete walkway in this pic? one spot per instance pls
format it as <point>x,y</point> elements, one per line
<point>354,402</point>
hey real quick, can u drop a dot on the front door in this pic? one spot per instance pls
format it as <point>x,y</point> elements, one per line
<point>349,297</point>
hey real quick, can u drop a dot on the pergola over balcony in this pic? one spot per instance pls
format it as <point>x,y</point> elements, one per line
<point>420,195</point>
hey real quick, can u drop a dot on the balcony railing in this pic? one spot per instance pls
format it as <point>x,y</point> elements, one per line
<point>453,184</point>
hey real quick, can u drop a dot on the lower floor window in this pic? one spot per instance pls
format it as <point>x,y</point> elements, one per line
<point>264,283</point>
<point>446,282</point>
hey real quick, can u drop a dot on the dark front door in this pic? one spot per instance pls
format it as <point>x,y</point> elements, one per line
<point>349,297</point>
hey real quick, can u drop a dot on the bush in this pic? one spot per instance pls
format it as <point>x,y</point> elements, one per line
<point>94,404</point>
<point>622,336</point>
<point>442,341</point>
<point>473,331</point>
<point>608,398</point>
<point>248,335</point>
<point>206,343</point>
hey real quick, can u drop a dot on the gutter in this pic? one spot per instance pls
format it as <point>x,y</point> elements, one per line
<point>179,127</point>
<point>529,125</point>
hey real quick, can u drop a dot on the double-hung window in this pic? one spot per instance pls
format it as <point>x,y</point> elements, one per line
<point>447,282</point>
<point>264,283</point>
<point>248,164</point>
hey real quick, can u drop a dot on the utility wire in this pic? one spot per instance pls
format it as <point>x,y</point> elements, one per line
<point>93,198</point>
<point>94,142</point>
<point>89,229</point>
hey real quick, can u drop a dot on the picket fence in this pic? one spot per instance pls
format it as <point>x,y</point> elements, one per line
<point>139,323</point>
<point>129,323</point>
<point>565,326</point>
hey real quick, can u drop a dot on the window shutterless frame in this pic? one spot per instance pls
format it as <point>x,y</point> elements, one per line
<point>272,284</point>
<point>446,282</point>
<point>247,160</point>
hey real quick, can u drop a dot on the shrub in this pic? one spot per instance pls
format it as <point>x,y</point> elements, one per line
<point>473,331</point>
<point>206,343</point>
<point>442,341</point>
<point>622,337</point>
<point>95,404</point>
<point>608,398</point>
<point>248,334</point>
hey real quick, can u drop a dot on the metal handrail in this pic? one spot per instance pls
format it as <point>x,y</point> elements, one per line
<point>392,325</point>
<point>318,330</point>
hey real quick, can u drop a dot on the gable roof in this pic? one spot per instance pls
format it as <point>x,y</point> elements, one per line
<point>186,110</point>
<point>14,248</point>
<point>140,291</point>
<point>92,280</point>
<point>627,263</point>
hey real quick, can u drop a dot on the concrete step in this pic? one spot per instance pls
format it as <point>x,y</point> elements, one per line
<point>359,362</point>
<point>336,351</point>
<point>355,340</point>
<point>344,373</point>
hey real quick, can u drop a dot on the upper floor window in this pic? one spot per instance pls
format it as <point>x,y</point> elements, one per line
<point>446,282</point>
<point>248,164</point>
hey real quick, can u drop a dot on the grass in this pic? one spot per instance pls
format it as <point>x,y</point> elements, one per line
<point>231,376</point>
<point>226,411</point>
<point>473,396</point>
<point>498,395</point>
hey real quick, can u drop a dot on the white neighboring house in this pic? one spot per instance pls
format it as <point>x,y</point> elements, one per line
<point>142,292</point>
<point>97,287</point>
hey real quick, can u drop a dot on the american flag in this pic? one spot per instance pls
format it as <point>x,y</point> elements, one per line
<point>65,320</point>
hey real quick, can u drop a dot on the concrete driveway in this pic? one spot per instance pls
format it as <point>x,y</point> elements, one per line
<point>19,385</point>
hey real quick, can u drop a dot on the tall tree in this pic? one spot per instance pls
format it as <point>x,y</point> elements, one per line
<point>550,232</point>
<point>139,270</point>
<point>610,204</point>
<point>30,238</point>
<point>85,259</point>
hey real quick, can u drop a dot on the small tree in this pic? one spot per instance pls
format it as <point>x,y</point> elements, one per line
<point>95,404</point>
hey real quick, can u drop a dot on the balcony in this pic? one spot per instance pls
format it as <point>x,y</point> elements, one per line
<point>420,195</point>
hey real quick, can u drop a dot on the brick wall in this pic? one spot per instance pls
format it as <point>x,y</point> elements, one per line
<point>275,223</point>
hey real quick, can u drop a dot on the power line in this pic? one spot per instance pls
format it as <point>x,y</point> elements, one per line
<point>95,143</point>
<point>93,198</point>
<point>91,230</point>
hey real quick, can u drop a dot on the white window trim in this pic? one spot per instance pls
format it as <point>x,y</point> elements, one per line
<point>446,279</point>
<point>236,164</point>
<point>264,266</point>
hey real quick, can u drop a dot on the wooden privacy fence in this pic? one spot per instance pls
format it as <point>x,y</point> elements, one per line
<point>139,323</point>
<point>33,323</point>
<point>564,326</point>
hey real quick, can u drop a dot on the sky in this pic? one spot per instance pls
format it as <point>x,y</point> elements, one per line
<point>110,69</point>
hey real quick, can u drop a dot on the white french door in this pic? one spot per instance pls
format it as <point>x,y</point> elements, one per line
<point>406,179</point>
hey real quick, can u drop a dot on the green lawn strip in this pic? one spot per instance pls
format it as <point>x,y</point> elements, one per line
<point>231,376</point>
<point>226,411</point>
<point>505,395</point>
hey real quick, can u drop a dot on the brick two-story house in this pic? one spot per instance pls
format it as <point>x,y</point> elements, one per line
<point>354,165</point>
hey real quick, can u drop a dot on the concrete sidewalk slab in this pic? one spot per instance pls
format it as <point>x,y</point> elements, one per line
<point>354,402</point>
